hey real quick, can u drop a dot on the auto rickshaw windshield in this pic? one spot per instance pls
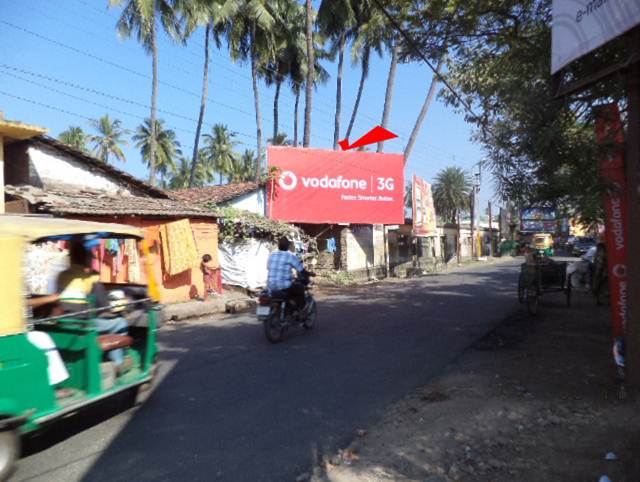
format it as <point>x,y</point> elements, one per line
<point>17,233</point>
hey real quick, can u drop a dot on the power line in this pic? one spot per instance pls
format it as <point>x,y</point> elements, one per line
<point>187,62</point>
<point>124,68</point>
<point>63,111</point>
<point>417,50</point>
<point>226,55</point>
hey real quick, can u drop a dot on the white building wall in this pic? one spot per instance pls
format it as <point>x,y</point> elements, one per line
<point>378,245</point>
<point>359,247</point>
<point>252,202</point>
<point>49,168</point>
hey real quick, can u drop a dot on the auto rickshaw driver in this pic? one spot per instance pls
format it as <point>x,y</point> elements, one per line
<point>75,285</point>
<point>80,281</point>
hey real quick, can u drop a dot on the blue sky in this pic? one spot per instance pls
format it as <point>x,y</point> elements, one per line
<point>63,64</point>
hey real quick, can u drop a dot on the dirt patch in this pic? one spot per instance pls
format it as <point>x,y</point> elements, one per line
<point>535,400</point>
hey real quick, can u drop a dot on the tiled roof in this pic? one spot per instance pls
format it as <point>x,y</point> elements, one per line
<point>96,163</point>
<point>100,204</point>
<point>214,194</point>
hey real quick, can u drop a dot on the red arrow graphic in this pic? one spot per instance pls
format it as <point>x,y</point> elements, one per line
<point>375,135</point>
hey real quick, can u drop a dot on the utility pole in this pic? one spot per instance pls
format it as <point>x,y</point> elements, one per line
<point>473,219</point>
<point>490,232</point>
<point>458,243</point>
<point>474,192</point>
<point>632,345</point>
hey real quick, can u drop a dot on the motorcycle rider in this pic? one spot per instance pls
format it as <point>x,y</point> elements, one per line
<point>280,278</point>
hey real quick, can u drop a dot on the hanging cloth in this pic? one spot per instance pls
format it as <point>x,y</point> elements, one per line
<point>179,251</point>
<point>331,245</point>
<point>133,260</point>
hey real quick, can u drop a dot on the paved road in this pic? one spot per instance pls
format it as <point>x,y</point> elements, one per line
<point>231,407</point>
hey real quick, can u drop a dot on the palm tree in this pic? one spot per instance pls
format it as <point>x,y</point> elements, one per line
<point>180,176</point>
<point>214,15</point>
<point>441,20</point>
<point>370,37</point>
<point>451,194</point>
<point>310,74</point>
<point>109,138</point>
<point>219,149</point>
<point>139,17</point>
<point>75,137</point>
<point>250,35</point>
<point>336,18</point>
<point>423,111</point>
<point>167,147</point>
<point>451,191</point>
<point>395,50</point>
<point>289,47</point>
<point>298,70</point>
<point>243,167</point>
<point>280,140</point>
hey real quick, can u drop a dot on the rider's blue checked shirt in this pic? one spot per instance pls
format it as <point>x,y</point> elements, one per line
<point>279,266</point>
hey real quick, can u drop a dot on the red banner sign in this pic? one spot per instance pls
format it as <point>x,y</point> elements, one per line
<point>609,130</point>
<point>424,214</point>
<point>320,186</point>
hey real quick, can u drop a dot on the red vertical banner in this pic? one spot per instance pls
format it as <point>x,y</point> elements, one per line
<point>612,170</point>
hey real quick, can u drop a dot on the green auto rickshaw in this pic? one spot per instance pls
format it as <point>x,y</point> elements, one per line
<point>55,362</point>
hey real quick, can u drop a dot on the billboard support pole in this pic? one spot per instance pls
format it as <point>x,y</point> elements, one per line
<point>633,187</point>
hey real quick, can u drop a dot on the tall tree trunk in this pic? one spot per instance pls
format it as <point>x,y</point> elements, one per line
<point>256,100</point>
<point>295,116</point>
<point>389,93</point>
<point>310,75</point>
<point>203,104</point>
<point>154,101</point>
<point>336,129</point>
<point>363,77</point>
<point>423,112</point>
<point>276,97</point>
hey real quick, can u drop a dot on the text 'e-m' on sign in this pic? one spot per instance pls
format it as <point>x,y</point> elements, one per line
<point>580,26</point>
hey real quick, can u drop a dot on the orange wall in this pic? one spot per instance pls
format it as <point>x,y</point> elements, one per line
<point>181,287</point>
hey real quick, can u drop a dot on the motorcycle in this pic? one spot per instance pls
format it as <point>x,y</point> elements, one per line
<point>276,311</point>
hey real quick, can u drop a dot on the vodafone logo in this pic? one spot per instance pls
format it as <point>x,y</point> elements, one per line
<point>288,181</point>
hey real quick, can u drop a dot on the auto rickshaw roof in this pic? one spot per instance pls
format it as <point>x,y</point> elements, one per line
<point>30,228</point>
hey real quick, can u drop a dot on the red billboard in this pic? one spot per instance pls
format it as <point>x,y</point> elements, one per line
<point>424,214</point>
<point>321,186</point>
<point>609,130</point>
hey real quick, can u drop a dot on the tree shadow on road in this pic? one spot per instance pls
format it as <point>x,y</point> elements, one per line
<point>234,407</point>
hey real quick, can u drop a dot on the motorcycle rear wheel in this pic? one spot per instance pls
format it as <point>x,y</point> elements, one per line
<point>273,330</point>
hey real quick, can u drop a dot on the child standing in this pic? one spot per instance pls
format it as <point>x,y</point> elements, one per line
<point>208,273</point>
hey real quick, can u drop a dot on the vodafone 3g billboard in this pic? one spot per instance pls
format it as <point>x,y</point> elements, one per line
<point>322,186</point>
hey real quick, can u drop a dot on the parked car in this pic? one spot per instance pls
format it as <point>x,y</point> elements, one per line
<point>582,245</point>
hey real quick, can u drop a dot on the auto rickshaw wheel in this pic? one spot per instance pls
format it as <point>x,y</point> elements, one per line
<point>9,452</point>
<point>140,393</point>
